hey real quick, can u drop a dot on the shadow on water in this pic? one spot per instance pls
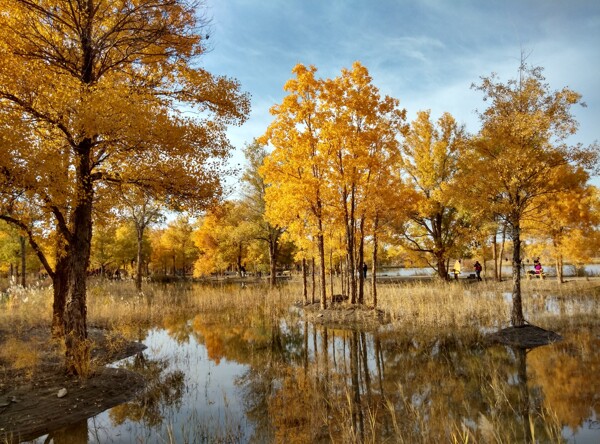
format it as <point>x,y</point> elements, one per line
<point>257,376</point>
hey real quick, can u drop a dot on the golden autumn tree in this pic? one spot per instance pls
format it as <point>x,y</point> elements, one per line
<point>360,132</point>
<point>568,221</point>
<point>16,260</point>
<point>520,154</point>
<point>434,225</point>
<point>139,208</point>
<point>89,94</point>
<point>254,190</point>
<point>295,170</point>
<point>222,238</point>
<point>102,255</point>
<point>125,248</point>
<point>336,150</point>
<point>178,239</point>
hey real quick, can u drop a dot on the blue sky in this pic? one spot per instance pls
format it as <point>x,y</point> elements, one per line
<point>426,53</point>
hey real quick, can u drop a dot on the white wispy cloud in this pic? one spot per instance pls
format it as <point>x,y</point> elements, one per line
<point>426,53</point>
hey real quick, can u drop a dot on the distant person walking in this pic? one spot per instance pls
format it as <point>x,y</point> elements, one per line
<point>478,269</point>
<point>456,269</point>
<point>364,269</point>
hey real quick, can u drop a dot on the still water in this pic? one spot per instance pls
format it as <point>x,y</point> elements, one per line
<point>568,270</point>
<point>258,378</point>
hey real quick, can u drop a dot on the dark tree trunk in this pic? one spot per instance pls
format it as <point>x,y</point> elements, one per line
<point>77,345</point>
<point>273,250</point>
<point>139,265</point>
<point>495,256</point>
<point>314,287</point>
<point>374,267</point>
<point>559,269</point>
<point>304,289</point>
<point>23,254</point>
<point>322,283</point>
<point>331,275</point>
<point>60,288</point>
<point>361,262</point>
<point>517,319</point>
<point>502,245</point>
<point>441,265</point>
<point>350,245</point>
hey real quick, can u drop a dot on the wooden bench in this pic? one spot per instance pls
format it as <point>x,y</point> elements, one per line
<point>531,273</point>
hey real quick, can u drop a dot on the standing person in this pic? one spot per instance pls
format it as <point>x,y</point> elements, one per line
<point>478,269</point>
<point>456,269</point>
<point>364,269</point>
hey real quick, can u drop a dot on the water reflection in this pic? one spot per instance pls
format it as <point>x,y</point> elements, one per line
<point>74,434</point>
<point>164,390</point>
<point>259,377</point>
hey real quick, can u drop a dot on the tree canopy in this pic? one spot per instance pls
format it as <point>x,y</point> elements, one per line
<point>91,96</point>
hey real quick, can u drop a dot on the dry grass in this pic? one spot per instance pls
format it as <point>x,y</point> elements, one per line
<point>428,306</point>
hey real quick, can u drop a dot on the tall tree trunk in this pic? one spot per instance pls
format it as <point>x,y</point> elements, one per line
<point>60,288</point>
<point>517,319</point>
<point>138,274</point>
<point>502,245</point>
<point>484,262</point>
<point>495,255</point>
<point>331,275</point>
<point>374,266</point>
<point>304,289</point>
<point>559,268</point>
<point>322,284</point>
<point>314,287</point>
<point>350,245</point>
<point>442,265</point>
<point>77,345</point>
<point>273,262</point>
<point>23,254</point>
<point>361,262</point>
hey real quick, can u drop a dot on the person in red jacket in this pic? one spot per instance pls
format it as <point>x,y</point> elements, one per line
<point>478,269</point>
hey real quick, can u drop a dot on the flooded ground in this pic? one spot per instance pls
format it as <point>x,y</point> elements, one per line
<point>240,377</point>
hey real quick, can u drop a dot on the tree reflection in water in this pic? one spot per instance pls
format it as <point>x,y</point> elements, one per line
<point>428,389</point>
<point>305,383</point>
<point>163,390</point>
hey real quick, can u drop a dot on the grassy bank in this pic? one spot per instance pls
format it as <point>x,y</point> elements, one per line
<point>430,307</point>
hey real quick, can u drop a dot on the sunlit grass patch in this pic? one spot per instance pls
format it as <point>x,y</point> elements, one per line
<point>20,355</point>
<point>441,304</point>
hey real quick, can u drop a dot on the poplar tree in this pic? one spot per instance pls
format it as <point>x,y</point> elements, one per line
<point>520,154</point>
<point>90,93</point>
